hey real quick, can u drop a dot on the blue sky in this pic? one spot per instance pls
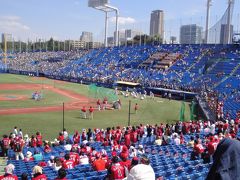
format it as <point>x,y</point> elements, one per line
<point>66,19</point>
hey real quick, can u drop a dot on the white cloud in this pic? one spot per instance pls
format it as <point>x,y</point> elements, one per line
<point>12,24</point>
<point>123,20</point>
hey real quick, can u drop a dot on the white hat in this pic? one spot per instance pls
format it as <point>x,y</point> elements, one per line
<point>26,136</point>
<point>29,154</point>
<point>52,157</point>
<point>131,147</point>
<point>140,146</point>
<point>9,169</point>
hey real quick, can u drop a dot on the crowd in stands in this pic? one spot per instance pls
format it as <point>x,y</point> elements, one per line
<point>122,152</point>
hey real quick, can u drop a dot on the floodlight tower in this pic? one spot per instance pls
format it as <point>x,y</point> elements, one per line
<point>229,19</point>
<point>103,5</point>
<point>209,4</point>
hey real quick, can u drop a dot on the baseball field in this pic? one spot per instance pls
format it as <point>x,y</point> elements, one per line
<point>46,115</point>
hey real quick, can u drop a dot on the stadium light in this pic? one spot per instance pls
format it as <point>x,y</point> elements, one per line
<point>209,3</point>
<point>103,5</point>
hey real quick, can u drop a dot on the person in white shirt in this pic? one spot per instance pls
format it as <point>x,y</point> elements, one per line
<point>142,171</point>
<point>140,150</point>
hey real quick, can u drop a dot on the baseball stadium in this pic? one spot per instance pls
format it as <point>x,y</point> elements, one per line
<point>142,106</point>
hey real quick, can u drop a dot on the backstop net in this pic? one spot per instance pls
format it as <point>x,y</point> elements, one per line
<point>95,92</point>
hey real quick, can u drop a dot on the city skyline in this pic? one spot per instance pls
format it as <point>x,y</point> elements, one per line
<point>63,19</point>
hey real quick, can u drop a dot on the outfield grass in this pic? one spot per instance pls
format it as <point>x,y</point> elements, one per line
<point>150,112</point>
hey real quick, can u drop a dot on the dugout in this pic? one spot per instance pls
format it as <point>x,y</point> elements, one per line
<point>124,85</point>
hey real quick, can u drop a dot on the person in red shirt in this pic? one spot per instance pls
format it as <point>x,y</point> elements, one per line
<point>47,148</point>
<point>212,146</point>
<point>126,163</point>
<point>99,164</point>
<point>198,147</point>
<point>74,156</point>
<point>61,138</point>
<point>76,137</point>
<point>9,173</point>
<point>127,139</point>
<point>5,145</point>
<point>68,163</point>
<point>99,104</point>
<point>84,112</point>
<point>18,147</point>
<point>39,139</point>
<point>134,136</point>
<point>33,142</point>
<point>29,157</point>
<point>91,112</point>
<point>116,170</point>
<point>38,174</point>
<point>61,174</point>
<point>125,153</point>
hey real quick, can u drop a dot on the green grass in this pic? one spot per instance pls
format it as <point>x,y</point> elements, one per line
<point>150,112</point>
<point>50,99</point>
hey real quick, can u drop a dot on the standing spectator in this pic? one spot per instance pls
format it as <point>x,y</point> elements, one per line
<point>39,139</point>
<point>76,137</point>
<point>18,147</point>
<point>65,134</point>
<point>226,161</point>
<point>90,112</point>
<point>127,139</point>
<point>15,131</point>
<point>5,145</point>
<point>99,164</point>
<point>38,174</point>
<point>116,170</point>
<point>9,173</point>
<point>20,134</point>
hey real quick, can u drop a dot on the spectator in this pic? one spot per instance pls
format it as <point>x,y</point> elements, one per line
<point>38,174</point>
<point>38,156</point>
<point>68,163</point>
<point>50,163</point>
<point>24,176</point>
<point>140,151</point>
<point>142,171</point>
<point>9,169</point>
<point>61,174</point>
<point>226,161</point>
<point>28,156</point>
<point>116,170</point>
<point>18,147</point>
<point>5,145</point>
<point>99,164</point>
<point>57,164</point>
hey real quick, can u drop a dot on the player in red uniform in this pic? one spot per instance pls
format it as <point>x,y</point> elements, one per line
<point>68,163</point>
<point>127,139</point>
<point>84,112</point>
<point>74,156</point>
<point>91,112</point>
<point>99,164</point>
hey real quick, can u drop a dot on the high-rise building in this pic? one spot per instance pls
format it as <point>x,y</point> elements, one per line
<point>121,36</point>
<point>225,33</point>
<point>130,34</point>
<point>190,34</point>
<point>86,36</point>
<point>157,24</point>
<point>7,37</point>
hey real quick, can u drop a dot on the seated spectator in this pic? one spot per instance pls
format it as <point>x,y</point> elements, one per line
<point>83,158</point>
<point>9,169</point>
<point>226,161</point>
<point>28,156</point>
<point>51,161</point>
<point>61,174</point>
<point>68,163</point>
<point>57,164</point>
<point>99,164</point>
<point>142,171</point>
<point>191,142</point>
<point>24,176</point>
<point>132,152</point>
<point>38,173</point>
<point>47,148</point>
<point>158,141</point>
<point>124,154</point>
<point>140,150</point>
<point>38,156</point>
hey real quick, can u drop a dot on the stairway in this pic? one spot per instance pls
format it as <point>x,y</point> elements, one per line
<point>226,77</point>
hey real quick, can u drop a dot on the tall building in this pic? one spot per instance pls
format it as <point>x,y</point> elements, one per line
<point>130,34</point>
<point>224,34</point>
<point>7,37</point>
<point>121,36</point>
<point>190,34</point>
<point>86,36</point>
<point>157,24</point>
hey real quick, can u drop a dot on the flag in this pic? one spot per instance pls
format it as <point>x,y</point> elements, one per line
<point>182,112</point>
